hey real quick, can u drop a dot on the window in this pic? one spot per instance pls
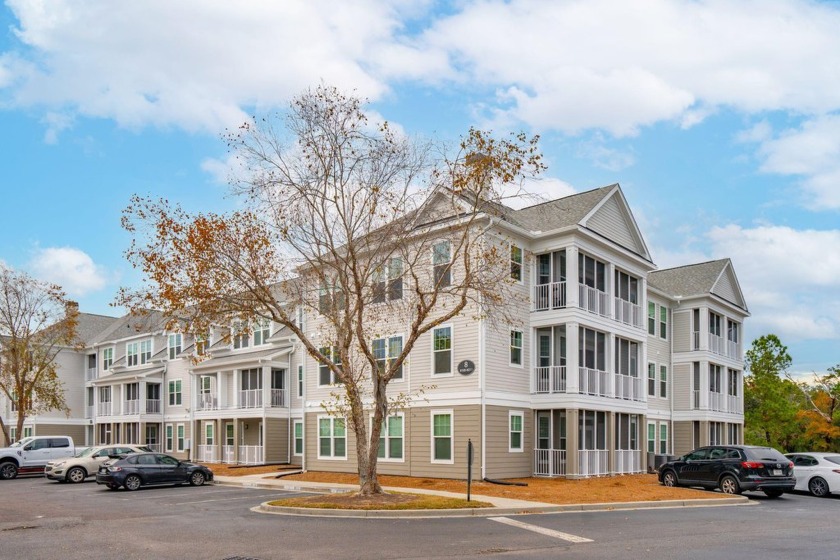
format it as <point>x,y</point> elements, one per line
<point>663,322</point>
<point>515,441</point>
<point>229,439</point>
<point>663,381</point>
<point>593,345</point>
<point>734,383</point>
<point>169,437</point>
<point>715,384</point>
<point>626,357</point>
<point>715,322</point>
<point>651,379</point>
<point>300,381</point>
<point>715,433</point>
<point>326,376</point>
<point>591,272</point>
<point>592,430</point>
<point>107,358</point>
<point>209,434</point>
<point>181,439</point>
<point>131,354</point>
<point>332,438</point>
<point>388,283</point>
<point>104,394</point>
<point>442,261</point>
<point>391,438</point>
<point>651,318</point>
<point>626,287</point>
<point>515,347</point>
<point>385,350</point>
<point>663,438</point>
<point>262,330</point>
<point>175,392</point>
<point>732,332</point>
<point>240,335</point>
<point>442,350</point>
<point>442,443</point>
<point>627,432</point>
<point>651,437</point>
<point>174,345</point>
<point>202,343</point>
<point>298,437</point>
<point>138,352</point>
<point>515,263</point>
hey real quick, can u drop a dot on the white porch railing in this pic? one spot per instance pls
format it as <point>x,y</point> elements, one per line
<point>593,382</point>
<point>732,350</point>
<point>717,345</point>
<point>549,462</point>
<point>251,454</point>
<point>628,461</point>
<point>628,387</point>
<point>152,406</point>
<point>593,462</point>
<point>90,374</point>
<point>131,407</point>
<point>208,453</point>
<point>251,398</point>
<point>549,296</point>
<point>89,411</point>
<point>228,453</point>
<point>103,409</point>
<point>278,398</point>
<point>716,402</point>
<point>733,404</point>
<point>628,313</point>
<point>593,300</point>
<point>207,401</point>
<point>551,379</point>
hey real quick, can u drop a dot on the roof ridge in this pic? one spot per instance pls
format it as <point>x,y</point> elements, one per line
<point>688,265</point>
<point>564,197</point>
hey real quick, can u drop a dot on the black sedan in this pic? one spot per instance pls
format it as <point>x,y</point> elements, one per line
<point>140,469</point>
<point>733,469</point>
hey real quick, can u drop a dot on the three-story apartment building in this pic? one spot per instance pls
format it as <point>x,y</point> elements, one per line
<point>608,363</point>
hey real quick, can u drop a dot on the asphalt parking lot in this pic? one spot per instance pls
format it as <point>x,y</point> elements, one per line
<point>44,519</point>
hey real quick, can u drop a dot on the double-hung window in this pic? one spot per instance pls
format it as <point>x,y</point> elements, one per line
<point>388,282</point>
<point>515,347</point>
<point>298,437</point>
<point>663,438</point>
<point>651,380</point>
<point>175,392</point>
<point>651,318</point>
<point>442,350</point>
<point>391,438</point>
<point>332,438</point>
<point>515,440</point>
<point>170,438</point>
<point>175,344</point>
<point>262,330</point>
<point>240,335</point>
<point>651,437</point>
<point>515,263</point>
<point>663,381</point>
<point>107,358</point>
<point>300,381</point>
<point>663,322</point>
<point>442,440</point>
<point>326,376</point>
<point>181,437</point>
<point>442,262</point>
<point>385,350</point>
<point>131,353</point>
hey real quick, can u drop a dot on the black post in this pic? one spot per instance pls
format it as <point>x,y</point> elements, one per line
<point>469,466</point>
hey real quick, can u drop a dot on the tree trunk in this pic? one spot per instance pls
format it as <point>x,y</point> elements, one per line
<point>6,440</point>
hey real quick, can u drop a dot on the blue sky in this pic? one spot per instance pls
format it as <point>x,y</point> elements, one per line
<point>721,120</point>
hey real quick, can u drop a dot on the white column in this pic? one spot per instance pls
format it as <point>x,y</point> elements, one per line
<point>572,299</point>
<point>572,357</point>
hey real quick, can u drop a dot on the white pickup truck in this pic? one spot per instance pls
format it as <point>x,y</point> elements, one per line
<point>31,454</point>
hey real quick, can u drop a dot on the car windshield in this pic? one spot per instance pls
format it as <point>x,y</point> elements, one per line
<point>22,442</point>
<point>833,459</point>
<point>764,454</point>
<point>86,452</point>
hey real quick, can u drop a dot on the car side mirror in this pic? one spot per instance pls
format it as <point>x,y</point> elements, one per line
<point>28,447</point>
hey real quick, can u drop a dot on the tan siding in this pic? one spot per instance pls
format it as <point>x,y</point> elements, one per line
<point>681,331</point>
<point>76,432</point>
<point>683,438</point>
<point>611,222</point>
<point>276,440</point>
<point>501,463</point>
<point>725,287</point>
<point>466,425</point>
<point>327,465</point>
<point>682,386</point>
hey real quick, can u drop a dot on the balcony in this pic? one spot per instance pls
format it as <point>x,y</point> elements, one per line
<point>549,296</point>
<point>251,398</point>
<point>593,300</point>
<point>152,406</point>
<point>207,401</point>
<point>628,387</point>
<point>593,382</point>
<point>549,462</point>
<point>593,462</point>
<point>278,398</point>
<point>628,313</point>
<point>103,409</point>
<point>131,406</point>
<point>628,461</point>
<point>718,402</point>
<point>251,454</point>
<point>208,453</point>
<point>90,374</point>
<point>551,379</point>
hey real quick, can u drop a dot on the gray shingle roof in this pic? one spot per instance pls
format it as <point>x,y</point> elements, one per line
<point>563,212</point>
<point>688,280</point>
<point>131,324</point>
<point>90,325</point>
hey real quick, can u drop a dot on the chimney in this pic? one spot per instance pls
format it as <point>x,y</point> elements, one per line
<point>71,307</point>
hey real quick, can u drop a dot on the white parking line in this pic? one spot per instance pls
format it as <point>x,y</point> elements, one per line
<point>541,530</point>
<point>225,499</point>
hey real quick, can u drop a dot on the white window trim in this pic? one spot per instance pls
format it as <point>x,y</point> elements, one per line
<point>388,358</point>
<point>655,394</point>
<point>180,442</point>
<point>390,459</point>
<point>302,439</point>
<point>648,439</point>
<point>181,392</point>
<point>450,261</point>
<point>300,381</point>
<point>521,280</point>
<point>451,351</point>
<point>169,443</point>
<point>169,346</point>
<point>107,352</point>
<point>521,348</point>
<point>440,412</point>
<point>332,373</point>
<point>659,381</point>
<point>332,438</point>
<point>662,440</point>
<point>136,353</point>
<point>521,414</point>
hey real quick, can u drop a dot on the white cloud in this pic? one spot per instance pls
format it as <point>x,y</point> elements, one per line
<point>70,268</point>
<point>535,191</point>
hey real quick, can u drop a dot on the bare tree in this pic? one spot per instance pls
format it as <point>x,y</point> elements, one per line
<point>36,323</point>
<point>365,230</point>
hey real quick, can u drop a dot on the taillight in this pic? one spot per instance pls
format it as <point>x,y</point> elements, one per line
<point>114,469</point>
<point>751,465</point>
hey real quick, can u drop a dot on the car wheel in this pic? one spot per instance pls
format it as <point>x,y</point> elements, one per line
<point>729,485</point>
<point>669,478</point>
<point>8,470</point>
<point>76,474</point>
<point>818,487</point>
<point>197,478</point>
<point>775,493</point>
<point>132,482</point>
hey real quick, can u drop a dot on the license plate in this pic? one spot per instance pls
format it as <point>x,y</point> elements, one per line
<point>777,472</point>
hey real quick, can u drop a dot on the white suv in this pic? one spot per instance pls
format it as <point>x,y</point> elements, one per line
<point>86,463</point>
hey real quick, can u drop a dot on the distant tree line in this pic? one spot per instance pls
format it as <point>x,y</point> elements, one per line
<point>784,413</point>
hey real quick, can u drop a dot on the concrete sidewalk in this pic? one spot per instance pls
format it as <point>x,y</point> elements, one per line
<point>500,506</point>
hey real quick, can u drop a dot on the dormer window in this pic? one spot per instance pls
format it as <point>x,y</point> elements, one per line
<point>262,330</point>
<point>202,343</point>
<point>240,335</point>
<point>138,353</point>
<point>175,345</point>
<point>107,358</point>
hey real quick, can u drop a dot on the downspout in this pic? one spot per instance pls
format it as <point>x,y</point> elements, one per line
<point>671,392</point>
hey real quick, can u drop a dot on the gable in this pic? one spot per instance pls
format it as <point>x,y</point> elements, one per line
<point>726,287</point>
<point>613,220</point>
<point>438,206</point>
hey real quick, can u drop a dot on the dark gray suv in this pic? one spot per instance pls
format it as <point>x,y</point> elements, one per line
<point>733,469</point>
